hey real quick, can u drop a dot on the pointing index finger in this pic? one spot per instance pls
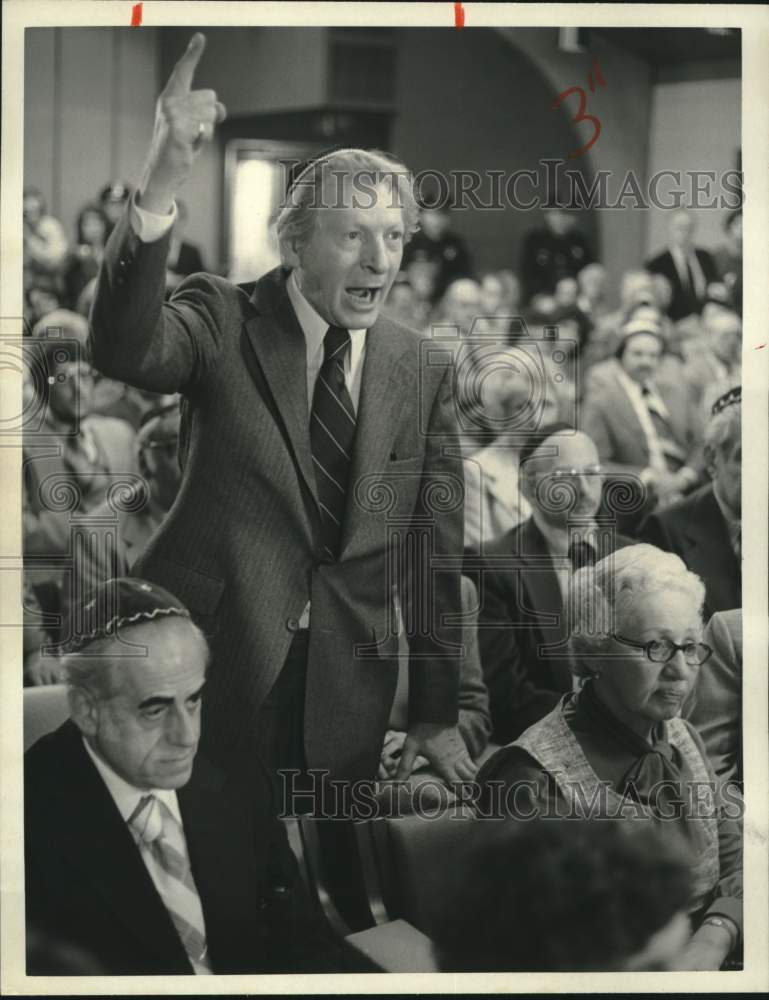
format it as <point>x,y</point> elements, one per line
<point>180,81</point>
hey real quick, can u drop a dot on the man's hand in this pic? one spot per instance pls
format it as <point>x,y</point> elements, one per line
<point>391,755</point>
<point>184,120</point>
<point>443,747</point>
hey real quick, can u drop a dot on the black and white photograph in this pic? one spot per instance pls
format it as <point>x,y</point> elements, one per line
<point>375,585</point>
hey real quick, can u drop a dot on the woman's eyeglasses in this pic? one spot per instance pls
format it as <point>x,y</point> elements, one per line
<point>663,650</point>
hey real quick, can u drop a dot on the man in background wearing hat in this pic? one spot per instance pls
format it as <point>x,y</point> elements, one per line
<point>523,619</point>
<point>314,428</point>
<point>642,425</point>
<point>137,850</point>
<point>705,529</point>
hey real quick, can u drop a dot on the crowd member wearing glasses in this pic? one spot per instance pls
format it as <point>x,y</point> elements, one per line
<point>618,749</point>
<point>523,578</point>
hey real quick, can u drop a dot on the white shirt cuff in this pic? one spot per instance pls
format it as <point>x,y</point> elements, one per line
<point>149,226</point>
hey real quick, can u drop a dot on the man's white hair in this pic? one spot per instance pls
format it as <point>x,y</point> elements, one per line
<point>93,668</point>
<point>601,596</point>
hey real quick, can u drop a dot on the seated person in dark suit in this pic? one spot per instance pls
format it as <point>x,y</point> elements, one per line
<point>575,896</point>
<point>705,529</point>
<point>137,850</point>
<point>523,579</point>
<point>689,269</point>
<point>715,711</point>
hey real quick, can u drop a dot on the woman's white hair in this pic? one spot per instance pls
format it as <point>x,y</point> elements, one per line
<point>601,596</point>
<point>723,430</point>
<point>318,185</point>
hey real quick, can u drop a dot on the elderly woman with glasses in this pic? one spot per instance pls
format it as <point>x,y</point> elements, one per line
<point>617,748</point>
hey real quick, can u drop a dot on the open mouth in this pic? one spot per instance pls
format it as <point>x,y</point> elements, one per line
<point>364,295</point>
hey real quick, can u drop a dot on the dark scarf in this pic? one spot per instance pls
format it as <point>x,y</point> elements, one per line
<point>654,765</point>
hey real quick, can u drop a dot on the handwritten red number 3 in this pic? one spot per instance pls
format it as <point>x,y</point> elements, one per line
<point>580,116</point>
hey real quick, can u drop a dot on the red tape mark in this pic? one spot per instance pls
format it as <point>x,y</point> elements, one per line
<point>459,15</point>
<point>136,15</point>
<point>759,347</point>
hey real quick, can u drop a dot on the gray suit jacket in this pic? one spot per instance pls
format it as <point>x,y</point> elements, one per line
<point>609,419</point>
<point>241,544</point>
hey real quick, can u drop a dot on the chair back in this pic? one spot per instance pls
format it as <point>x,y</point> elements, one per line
<point>45,709</point>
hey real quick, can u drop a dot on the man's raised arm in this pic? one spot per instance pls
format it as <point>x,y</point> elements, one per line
<point>133,336</point>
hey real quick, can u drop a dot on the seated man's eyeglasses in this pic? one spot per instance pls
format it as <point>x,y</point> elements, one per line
<point>663,650</point>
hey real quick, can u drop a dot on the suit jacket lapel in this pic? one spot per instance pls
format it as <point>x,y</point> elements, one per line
<point>385,382</point>
<point>98,841</point>
<point>278,342</point>
<point>541,583</point>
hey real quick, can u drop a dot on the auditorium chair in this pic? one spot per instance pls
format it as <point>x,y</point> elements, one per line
<point>45,709</point>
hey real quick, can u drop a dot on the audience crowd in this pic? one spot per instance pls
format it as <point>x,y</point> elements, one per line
<point>598,427</point>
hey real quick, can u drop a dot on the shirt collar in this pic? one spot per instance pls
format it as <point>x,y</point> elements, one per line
<point>125,796</point>
<point>313,325</point>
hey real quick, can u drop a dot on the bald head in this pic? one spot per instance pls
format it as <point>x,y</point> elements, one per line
<point>462,303</point>
<point>562,478</point>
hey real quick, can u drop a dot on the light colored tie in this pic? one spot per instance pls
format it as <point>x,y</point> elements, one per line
<point>158,832</point>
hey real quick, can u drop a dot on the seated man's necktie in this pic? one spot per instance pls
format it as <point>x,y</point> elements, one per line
<point>156,829</point>
<point>332,433</point>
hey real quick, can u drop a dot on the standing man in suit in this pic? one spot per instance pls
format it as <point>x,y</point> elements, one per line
<point>523,580</point>
<point>138,851</point>
<point>705,529</point>
<point>689,269</point>
<point>640,424</point>
<point>315,459</point>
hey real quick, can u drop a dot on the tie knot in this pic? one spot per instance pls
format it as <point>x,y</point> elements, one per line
<point>335,342</point>
<point>581,554</point>
<point>146,820</point>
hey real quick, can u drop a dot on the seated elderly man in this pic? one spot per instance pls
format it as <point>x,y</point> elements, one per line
<point>618,749</point>
<point>705,529</point>
<point>523,579</point>
<point>716,361</point>
<point>138,851</point>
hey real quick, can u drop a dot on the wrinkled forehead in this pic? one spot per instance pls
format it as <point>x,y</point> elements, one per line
<point>562,451</point>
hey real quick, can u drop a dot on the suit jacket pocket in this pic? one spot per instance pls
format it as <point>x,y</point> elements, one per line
<point>199,592</point>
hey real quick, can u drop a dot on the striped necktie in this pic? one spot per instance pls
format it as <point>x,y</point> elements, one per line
<point>159,834</point>
<point>332,432</point>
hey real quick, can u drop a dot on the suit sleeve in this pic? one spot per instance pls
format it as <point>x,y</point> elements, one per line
<point>474,718</point>
<point>514,702</point>
<point>433,590</point>
<point>595,423</point>
<point>137,339</point>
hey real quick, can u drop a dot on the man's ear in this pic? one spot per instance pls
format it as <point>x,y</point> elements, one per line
<point>289,255</point>
<point>83,710</point>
